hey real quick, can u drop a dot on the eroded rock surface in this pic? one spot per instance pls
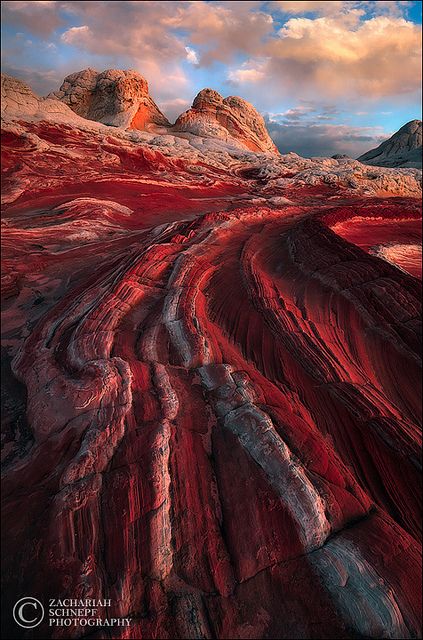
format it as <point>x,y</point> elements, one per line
<point>113,97</point>
<point>212,408</point>
<point>403,149</point>
<point>19,101</point>
<point>226,119</point>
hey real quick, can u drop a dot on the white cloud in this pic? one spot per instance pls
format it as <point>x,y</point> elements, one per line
<point>192,56</point>
<point>346,56</point>
<point>250,71</point>
<point>77,36</point>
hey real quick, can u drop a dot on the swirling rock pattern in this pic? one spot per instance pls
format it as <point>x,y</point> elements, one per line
<point>212,409</point>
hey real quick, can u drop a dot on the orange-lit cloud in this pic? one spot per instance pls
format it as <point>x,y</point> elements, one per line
<point>343,56</point>
<point>338,50</point>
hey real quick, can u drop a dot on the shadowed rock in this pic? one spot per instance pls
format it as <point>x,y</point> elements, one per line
<point>403,149</point>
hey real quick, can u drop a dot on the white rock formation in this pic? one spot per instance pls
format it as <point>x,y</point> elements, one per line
<point>18,101</point>
<point>114,97</point>
<point>230,119</point>
<point>403,149</point>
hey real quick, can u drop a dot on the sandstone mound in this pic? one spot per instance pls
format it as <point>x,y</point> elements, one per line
<point>114,97</point>
<point>232,117</point>
<point>19,101</point>
<point>17,97</point>
<point>403,149</point>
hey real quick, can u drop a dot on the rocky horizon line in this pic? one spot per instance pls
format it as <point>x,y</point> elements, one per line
<point>121,98</point>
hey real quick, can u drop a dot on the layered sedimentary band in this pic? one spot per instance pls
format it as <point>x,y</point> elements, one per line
<point>212,409</point>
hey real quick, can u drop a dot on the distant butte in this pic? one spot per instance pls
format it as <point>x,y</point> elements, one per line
<point>403,149</point>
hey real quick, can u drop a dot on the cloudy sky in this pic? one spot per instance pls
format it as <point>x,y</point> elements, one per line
<point>329,77</point>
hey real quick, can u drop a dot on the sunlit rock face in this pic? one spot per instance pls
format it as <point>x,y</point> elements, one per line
<point>19,101</point>
<point>211,385</point>
<point>403,149</point>
<point>114,97</point>
<point>227,119</point>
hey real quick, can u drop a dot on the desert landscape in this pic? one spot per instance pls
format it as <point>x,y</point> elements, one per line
<point>211,364</point>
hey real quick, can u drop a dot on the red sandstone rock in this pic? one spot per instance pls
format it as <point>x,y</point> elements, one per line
<point>211,399</point>
<point>226,119</point>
